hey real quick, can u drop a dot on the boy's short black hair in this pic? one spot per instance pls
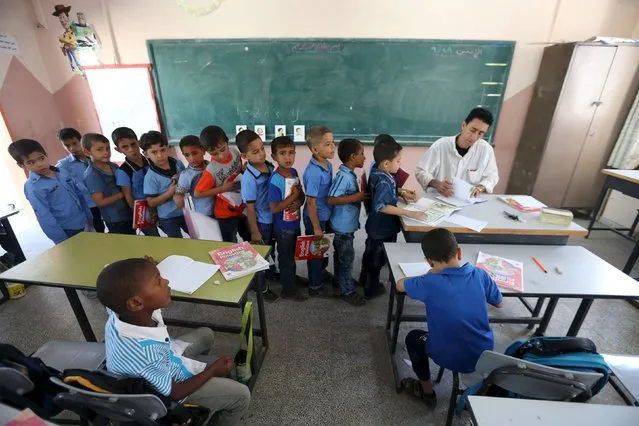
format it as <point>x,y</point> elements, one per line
<point>123,133</point>
<point>281,142</point>
<point>439,245</point>
<point>90,138</point>
<point>190,140</point>
<point>244,139</point>
<point>67,133</point>
<point>481,114</point>
<point>212,136</point>
<point>152,137</point>
<point>348,147</point>
<point>120,281</point>
<point>22,148</point>
<point>386,148</point>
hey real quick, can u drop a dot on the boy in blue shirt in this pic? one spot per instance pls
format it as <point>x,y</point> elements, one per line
<point>138,343</point>
<point>56,198</point>
<point>75,164</point>
<point>160,183</point>
<point>455,297</point>
<point>193,153</point>
<point>317,182</point>
<point>382,225</point>
<point>346,198</point>
<point>286,212</point>
<point>99,179</point>
<point>130,175</point>
<point>254,187</point>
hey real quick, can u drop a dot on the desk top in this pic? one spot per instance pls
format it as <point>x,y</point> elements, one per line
<point>491,211</point>
<point>626,368</point>
<point>583,273</point>
<point>629,175</point>
<point>78,261</point>
<point>6,211</point>
<point>526,412</point>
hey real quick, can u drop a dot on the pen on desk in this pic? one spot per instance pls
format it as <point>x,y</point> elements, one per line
<point>542,267</point>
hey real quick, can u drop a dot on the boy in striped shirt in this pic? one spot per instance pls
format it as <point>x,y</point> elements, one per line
<point>138,344</point>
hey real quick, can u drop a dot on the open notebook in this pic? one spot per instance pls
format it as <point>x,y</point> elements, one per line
<point>461,194</point>
<point>185,274</point>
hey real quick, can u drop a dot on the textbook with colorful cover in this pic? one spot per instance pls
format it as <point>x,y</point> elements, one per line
<point>435,211</point>
<point>307,247</point>
<point>290,216</point>
<point>143,215</point>
<point>523,203</point>
<point>238,260</point>
<point>234,198</point>
<point>507,273</point>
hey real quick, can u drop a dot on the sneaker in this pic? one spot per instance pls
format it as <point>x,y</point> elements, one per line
<point>430,399</point>
<point>414,387</point>
<point>379,291</point>
<point>294,295</point>
<point>270,296</point>
<point>318,292</point>
<point>354,299</point>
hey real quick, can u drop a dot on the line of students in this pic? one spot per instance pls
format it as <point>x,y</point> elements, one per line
<point>86,188</point>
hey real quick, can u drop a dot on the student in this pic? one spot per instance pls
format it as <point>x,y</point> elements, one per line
<point>193,153</point>
<point>286,213</point>
<point>220,177</point>
<point>382,225</point>
<point>255,194</point>
<point>55,196</point>
<point>317,182</point>
<point>455,298</point>
<point>137,343</point>
<point>130,175</point>
<point>160,183</point>
<point>346,198</point>
<point>75,164</point>
<point>99,179</point>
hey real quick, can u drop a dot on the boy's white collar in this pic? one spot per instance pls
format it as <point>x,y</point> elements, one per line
<point>158,333</point>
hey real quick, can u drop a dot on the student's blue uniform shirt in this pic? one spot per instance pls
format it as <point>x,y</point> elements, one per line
<point>156,184</point>
<point>144,352</point>
<point>186,184</point>
<point>317,182</point>
<point>98,181</point>
<point>58,204</point>
<point>383,191</point>
<point>345,217</point>
<point>276,194</point>
<point>76,168</point>
<point>131,175</point>
<point>254,185</point>
<point>458,328</point>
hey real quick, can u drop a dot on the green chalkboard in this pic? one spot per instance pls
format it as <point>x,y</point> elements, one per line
<point>416,90</point>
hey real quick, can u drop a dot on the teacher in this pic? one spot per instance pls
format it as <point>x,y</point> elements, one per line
<point>465,156</point>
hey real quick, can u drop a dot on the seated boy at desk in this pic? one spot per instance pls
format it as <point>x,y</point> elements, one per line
<point>138,343</point>
<point>455,296</point>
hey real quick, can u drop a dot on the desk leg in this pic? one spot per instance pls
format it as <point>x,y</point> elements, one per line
<point>80,315</point>
<point>550,309</point>
<point>391,303</point>
<point>398,319</point>
<point>632,259</point>
<point>595,212</point>
<point>536,311</point>
<point>13,241</point>
<point>580,316</point>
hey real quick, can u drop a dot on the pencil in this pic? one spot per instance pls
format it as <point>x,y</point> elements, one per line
<point>542,267</point>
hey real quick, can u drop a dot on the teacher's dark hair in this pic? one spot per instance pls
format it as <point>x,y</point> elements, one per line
<point>480,114</point>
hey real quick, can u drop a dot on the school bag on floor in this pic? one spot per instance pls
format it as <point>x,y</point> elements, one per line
<point>568,353</point>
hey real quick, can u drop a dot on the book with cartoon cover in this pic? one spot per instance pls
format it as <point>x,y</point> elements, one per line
<point>143,215</point>
<point>308,247</point>
<point>290,216</point>
<point>508,274</point>
<point>238,260</point>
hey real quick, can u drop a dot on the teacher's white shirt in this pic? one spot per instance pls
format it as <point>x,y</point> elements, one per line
<point>442,161</point>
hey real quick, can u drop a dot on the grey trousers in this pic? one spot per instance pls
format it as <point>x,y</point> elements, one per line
<point>227,399</point>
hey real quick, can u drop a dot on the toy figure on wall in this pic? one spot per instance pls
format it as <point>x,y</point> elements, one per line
<point>79,41</point>
<point>69,43</point>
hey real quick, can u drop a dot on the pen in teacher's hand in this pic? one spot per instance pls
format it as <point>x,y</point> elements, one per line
<point>542,267</point>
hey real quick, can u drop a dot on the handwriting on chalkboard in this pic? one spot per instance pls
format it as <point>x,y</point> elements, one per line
<point>458,52</point>
<point>317,47</point>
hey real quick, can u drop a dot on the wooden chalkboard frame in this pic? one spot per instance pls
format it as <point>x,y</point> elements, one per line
<point>404,142</point>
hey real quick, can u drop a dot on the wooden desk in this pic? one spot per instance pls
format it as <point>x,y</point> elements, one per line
<point>76,263</point>
<point>584,276</point>
<point>624,376</point>
<point>500,229</point>
<point>488,411</point>
<point>626,182</point>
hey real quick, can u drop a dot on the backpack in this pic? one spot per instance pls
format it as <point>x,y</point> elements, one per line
<point>568,353</point>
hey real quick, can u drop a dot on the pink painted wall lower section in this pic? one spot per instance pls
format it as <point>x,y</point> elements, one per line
<point>75,105</point>
<point>29,109</point>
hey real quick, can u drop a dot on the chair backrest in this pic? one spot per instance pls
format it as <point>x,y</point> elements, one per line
<point>64,355</point>
<point>13,381</point>
<point>533,380</point>
<point>141,408</point>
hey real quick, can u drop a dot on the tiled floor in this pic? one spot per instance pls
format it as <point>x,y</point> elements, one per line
<point>328,362</point>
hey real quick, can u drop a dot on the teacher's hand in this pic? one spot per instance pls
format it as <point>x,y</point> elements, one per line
<point>477,189</point>
<point>444,187</point>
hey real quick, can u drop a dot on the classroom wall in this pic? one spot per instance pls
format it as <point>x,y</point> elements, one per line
<point>134,22</point>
